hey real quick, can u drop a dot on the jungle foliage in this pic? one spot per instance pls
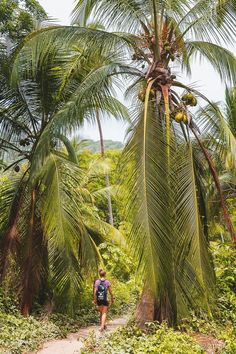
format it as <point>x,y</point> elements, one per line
<point>175,174</point>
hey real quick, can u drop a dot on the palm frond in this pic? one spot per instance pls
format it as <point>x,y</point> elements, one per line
<point>167,236</point>
<point>204,22</point>
<point>71,248</point>
<point>217,131</point>
<point>221,59</point>
<point>230,100</point>
<point>122,14</point>
<point>12,195</point>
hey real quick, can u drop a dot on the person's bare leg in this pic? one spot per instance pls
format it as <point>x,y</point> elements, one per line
<point>104,317</point>
<point>100,315</point>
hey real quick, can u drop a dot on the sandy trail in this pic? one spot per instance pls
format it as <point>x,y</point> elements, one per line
<point>74,342</point>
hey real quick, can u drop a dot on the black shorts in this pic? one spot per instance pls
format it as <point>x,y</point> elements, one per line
<point>103,303</point>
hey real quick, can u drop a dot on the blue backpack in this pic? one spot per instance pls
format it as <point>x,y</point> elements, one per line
<point>101,293</point>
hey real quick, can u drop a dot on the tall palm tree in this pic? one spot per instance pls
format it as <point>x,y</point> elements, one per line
<point>102,149</point>
<point>97,25</point>
<point>47,224</point>
<point>166,199</point>
<point>165,186</point>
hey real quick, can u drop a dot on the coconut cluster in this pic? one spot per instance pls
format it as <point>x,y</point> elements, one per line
<point>189,99</point>
<point>142,94</point>
<point>181,116</point>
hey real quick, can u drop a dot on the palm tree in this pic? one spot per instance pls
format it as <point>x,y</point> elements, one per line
<point>48,223</point>
<point>165,188</point>
<point>110,212</point>
<point>221,115</point>
<point>166,196</point>
<point>97,25</point>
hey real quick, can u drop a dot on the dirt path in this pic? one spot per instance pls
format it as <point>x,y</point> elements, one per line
<point>210,344</point>
<point>74,342</point>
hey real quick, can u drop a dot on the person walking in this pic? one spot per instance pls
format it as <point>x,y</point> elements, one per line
<point>100,297</point>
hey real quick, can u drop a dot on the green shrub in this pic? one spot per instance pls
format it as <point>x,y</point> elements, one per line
<point>225,268</point>
<point>8,303</point>
<point>159,339</point>
<point>19,334</point>
<point>222,324</point>
<point>229,337</point>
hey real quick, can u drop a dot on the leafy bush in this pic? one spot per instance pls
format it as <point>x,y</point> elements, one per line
<point>8,303</point>
<point>116,261</point>
<point>225,268</point>
<point>223,323</point>
<point>159,339</point>
<point>19,334</point>
<point>229,337</point>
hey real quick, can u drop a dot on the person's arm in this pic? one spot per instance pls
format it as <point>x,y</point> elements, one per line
<point>111,293</point>
<point>94,295</point>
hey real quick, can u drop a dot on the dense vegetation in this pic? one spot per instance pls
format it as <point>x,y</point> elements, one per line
<point>95,146</point>
<point>158,213</point>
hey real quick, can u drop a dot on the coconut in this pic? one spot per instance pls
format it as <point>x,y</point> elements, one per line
<point>142,94</point>
<point>185,119</point>
<point>179,116</point>
<point>189,99</point>
<point>193,102</point>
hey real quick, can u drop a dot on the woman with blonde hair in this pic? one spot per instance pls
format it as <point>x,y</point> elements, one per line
<point>100,297</point>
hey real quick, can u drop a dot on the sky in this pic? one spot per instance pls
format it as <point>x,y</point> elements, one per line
<point>203,76</point>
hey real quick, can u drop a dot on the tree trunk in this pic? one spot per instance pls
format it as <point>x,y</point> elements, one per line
<point>110,212</point>
<point>27,281</point>
<point>226,214</point>
<point>149,310</point>
<point>145,311</point>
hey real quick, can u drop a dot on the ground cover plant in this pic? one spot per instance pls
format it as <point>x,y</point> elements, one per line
<point>157,339</point>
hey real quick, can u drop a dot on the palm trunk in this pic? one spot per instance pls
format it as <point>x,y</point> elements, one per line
<point>28,290</point>
<point>145,311</point>
<point>156,30</point>
<point>149,309</point>
<point>226,214</point>
<point>110,212</point>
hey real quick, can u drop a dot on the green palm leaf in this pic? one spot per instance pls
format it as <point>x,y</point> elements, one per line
<point>221,59</point>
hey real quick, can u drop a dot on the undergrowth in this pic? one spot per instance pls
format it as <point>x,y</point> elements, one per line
<point>156,339</point>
